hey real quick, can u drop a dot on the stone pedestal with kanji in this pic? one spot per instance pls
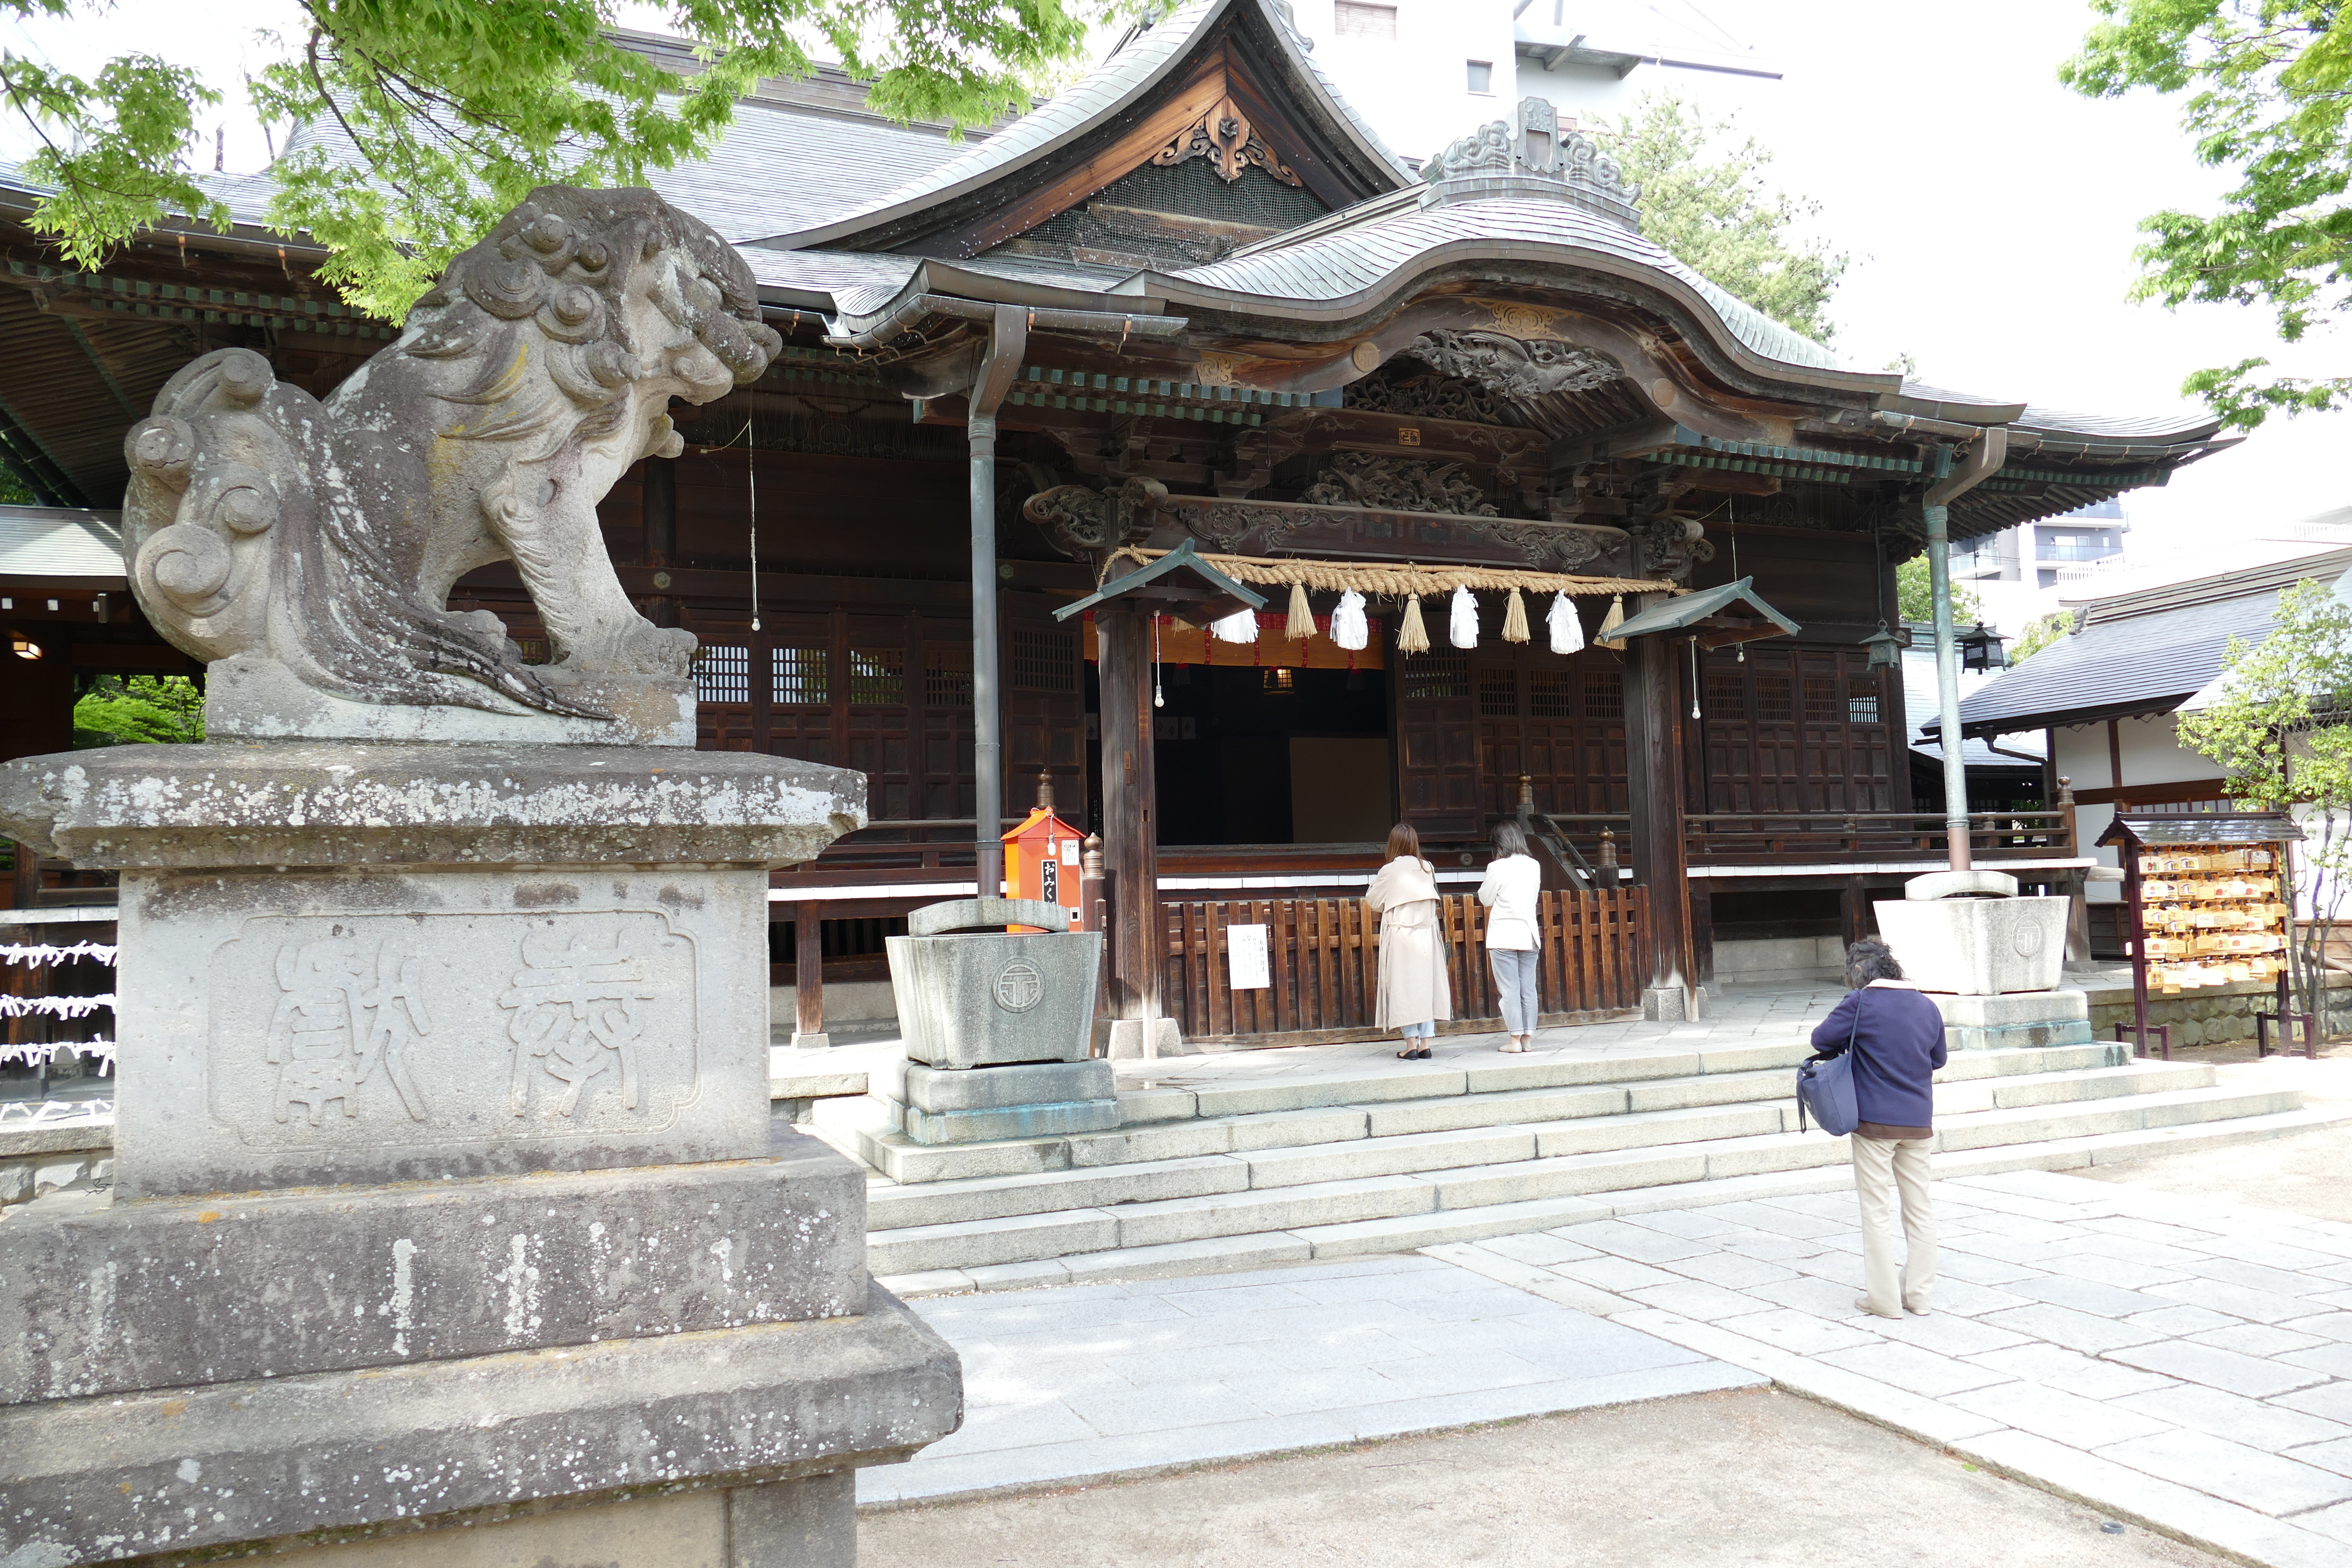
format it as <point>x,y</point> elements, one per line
<point>446,1195</point>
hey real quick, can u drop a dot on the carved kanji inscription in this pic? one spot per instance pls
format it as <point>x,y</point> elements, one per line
<point>428,1027</point>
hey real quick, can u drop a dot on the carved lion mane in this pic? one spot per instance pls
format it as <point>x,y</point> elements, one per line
<point>262,523</point>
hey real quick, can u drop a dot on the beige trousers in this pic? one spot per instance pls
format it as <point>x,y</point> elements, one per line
<point>1880,1164</point>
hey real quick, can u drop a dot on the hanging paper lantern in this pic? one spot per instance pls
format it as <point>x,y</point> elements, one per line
<point>1412,636</point>
<point>1348,627</point>
<point>1515,618</point>
<point>1567,627</point>
<point>1610,623</point>
<point>1461,625</point>
<point>1240,626</point>
<point>1302,617</point>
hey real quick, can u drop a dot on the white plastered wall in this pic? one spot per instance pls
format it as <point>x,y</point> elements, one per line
<point>2151,752</point>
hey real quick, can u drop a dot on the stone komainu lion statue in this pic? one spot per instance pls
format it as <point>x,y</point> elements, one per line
<point>262,523</point>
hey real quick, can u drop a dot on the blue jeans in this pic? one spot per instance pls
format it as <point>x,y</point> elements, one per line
<point>1515,983</point>
<point>1423,1030</point>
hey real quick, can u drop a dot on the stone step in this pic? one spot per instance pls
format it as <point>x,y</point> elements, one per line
<point>1159,1129</point>
<point>1434,1227</point>
<point>1718,1151</point>
<point>1335,1145</point>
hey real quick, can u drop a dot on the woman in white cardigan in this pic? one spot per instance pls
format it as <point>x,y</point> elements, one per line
<point>1514,938</point>
<point>1413,993</point>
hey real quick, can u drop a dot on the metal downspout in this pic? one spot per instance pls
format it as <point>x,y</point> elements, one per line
<point>1984,457</point>
<point>1008,337</point>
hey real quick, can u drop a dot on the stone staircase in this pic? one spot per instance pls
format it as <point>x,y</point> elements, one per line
<point>1232,1175</point>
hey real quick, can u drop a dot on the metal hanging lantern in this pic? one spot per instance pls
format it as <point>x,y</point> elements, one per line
<point>1885,649</point>
<point>1981,650</point>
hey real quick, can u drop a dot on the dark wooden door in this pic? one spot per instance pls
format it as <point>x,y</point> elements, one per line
<point>1437,746</point>
<point>1794,729</point>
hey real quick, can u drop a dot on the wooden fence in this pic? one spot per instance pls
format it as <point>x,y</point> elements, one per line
<point>1323,957</point>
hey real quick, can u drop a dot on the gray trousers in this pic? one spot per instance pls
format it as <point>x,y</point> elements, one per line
<point>1515,982</point>
<point>1884,1167</point>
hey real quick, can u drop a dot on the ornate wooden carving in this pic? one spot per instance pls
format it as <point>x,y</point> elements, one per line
<point>1087,524</point>
<point>1519,370</point>
<point>1224,137</point>
<point>1397,484</point>
<point>1435,398</point>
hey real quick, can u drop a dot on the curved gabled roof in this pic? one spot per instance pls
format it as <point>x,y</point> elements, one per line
<point>1121,82</point>
<point>1339,270</point>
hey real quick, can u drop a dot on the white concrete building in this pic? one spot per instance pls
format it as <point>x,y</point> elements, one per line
<point>1427,71</point>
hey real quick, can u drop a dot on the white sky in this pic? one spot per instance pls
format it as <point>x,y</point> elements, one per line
<point>1991,213</point>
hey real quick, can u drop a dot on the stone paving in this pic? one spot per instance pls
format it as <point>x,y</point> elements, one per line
<point>2185,1364</point>
<point>1737,1015</point>
<point>1093,1380</point>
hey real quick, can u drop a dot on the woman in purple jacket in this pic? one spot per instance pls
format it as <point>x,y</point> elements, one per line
<point>1897,1036</point>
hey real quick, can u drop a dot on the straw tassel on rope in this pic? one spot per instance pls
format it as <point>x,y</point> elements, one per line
<point>1515,618</point>
<point>1403,579</point>
<point>1302,615</point>
<point>1412,636</point>
<point>1610,623</point>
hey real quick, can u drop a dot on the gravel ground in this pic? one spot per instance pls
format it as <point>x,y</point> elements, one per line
<point>1756,1479</point>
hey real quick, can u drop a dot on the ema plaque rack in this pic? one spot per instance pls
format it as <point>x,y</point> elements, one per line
<point>2209,905</point>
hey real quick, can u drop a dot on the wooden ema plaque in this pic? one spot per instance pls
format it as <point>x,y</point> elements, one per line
<point>2208,904</point>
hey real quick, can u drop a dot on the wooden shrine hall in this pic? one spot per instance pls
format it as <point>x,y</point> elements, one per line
<point>1470,435</point>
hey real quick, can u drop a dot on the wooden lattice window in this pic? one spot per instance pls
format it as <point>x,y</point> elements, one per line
<point>722,673</point>
<point>1605,694</point>
<point>1862,708</point>
<point>1436,675</point>
<point>947,677</point>
<point>800,677</point>
<point>1775,704</point>
<point>1551,694</point>
<point>1822,699</point>
<point>1726,697</point>
<point>1498,693</point>
<point>1045,660</point>
<point>878,677</point>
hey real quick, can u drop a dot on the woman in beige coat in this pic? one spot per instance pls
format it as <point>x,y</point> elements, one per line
<point>1413,993</point>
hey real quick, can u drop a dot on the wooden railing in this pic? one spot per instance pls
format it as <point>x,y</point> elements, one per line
<point>1803,837</point>
<point>1324,962</point>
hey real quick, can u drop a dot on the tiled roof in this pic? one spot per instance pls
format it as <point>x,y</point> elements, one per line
<point>1130,71</point>
<point>1351,266</point>
<point>2143,652</point>
<point>1920,711</point>
<point>59,541</point>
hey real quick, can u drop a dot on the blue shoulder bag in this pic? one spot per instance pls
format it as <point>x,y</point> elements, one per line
<point>1826,1088</point>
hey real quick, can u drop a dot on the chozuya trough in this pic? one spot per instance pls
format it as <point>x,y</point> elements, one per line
<point>446,1195</point>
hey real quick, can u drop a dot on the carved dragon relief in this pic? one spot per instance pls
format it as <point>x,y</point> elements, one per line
<point>1519,369</point>
<point>1225,138</point>
<point>1087,525</point>
<point>1435,398</point>
<point>1397,484</point>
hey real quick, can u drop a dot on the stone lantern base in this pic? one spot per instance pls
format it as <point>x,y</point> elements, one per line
<point>447,1195</point>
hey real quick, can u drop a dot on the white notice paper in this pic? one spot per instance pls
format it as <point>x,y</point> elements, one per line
<point>1245,948</point>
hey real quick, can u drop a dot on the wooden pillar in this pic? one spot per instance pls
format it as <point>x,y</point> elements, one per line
<point>657,496</point>
<point>1130,821</point>
<point>808,979</point>
<point>1653,750</point>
